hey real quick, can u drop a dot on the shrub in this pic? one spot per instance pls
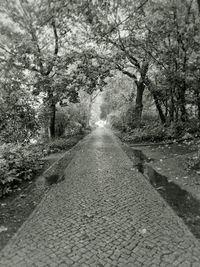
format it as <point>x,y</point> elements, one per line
<point>57,145</point>
<point>61,144</point>
<point>18,163</point>
<point>147,133</point>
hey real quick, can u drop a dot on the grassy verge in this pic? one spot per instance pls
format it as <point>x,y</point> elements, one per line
<point>22,163</point>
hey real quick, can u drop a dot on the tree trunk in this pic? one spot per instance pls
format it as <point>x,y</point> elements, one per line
<point>172,109</point>
<point>198,103</point>
<point>184,115</point>
<point>140,90</point>
<point>181,100</point>
<point>52,120</point>
<point>156,100</point>
<point>52,113</point>
<point>138,103</point>
<point>159,108</point>
<point>46,132</point>
<point>198,2</point>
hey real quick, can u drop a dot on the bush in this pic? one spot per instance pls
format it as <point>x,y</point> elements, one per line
<point>74,128</point>
<point>18,163</point>
<point>61,144</point>
<point>145,134</point>
<point>57,145</point>
<point>153,131</point>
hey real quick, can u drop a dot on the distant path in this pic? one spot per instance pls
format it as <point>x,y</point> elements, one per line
<point>103,214</point>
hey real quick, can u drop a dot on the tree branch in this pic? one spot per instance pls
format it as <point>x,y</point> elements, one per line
<point>56,48</point>
<point>20,66</point>
<point>35,41</point>
<point>131,58</point>
<point>129,74</point>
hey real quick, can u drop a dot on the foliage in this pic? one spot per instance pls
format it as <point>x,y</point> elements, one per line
<point>61,144</point>
<point>146,134</point>
<point>39,40</point>
<point>18,163</point>
<point>22,162</point>
<point>18,121</point>
<point>61,49</point>
<point>157,46</point>
<point>152,131</point>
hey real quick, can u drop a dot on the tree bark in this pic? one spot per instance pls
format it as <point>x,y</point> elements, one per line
<point>198,106</point>
<point>52,114</point>
<point>197,94</point>
<point>140,84</point>
<point>140,90</point>
<point>156,100</point>
<point>159,108</point>
<point>138,103</point>
<point>172,109</point>
<point>198,3</point>
<point>182,102</point>
<point>52,120</point>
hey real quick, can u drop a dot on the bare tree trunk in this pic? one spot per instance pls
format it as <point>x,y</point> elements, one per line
<point>52,114</point>
<point>184,115</point>
<point>159,108</point>
<point>140,90</point>
<point>156,100</point>
<point>138,103</point>
<point>198,102</point>
<point>171,109</point>
<point>198,3</point>
<point>52,120</point>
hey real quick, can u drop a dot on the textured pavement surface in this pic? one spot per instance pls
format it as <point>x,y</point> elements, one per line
<point>103,214</point>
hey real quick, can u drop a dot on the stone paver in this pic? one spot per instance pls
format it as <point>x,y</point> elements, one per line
<point>103,214</point>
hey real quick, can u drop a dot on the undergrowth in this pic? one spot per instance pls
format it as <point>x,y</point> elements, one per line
<point>22,162</point>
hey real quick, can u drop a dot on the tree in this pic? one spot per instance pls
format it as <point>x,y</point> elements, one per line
<point>36,36</point>
<point>32,40</point>
<point>174,44</point>
<point>122,30</point>
<point>18,120</point>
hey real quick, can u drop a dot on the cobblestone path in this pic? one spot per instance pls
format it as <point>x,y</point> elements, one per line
<point>103,214</point>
